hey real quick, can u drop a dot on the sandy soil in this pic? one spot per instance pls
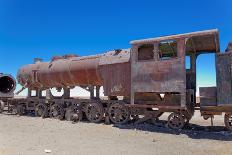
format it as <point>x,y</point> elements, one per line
<point>29,135</point>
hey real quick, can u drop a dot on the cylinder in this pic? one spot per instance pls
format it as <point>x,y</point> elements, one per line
<point>7,85</point>
<point>66,71</point>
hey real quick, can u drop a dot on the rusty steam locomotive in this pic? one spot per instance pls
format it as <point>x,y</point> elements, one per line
<point>140,83</point>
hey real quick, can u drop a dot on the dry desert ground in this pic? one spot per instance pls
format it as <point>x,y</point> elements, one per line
<point>27,135</point>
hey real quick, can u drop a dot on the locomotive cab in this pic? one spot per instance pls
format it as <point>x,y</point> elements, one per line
<point>158,69</point>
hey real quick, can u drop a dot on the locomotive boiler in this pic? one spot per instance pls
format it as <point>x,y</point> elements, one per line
<point>70,70</point>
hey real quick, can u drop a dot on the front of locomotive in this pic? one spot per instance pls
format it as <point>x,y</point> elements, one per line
<point>7,85</point>
<point>24,75</point>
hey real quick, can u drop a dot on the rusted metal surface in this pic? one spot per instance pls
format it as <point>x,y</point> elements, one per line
<point>224,77</point>
<point>119,113</point>
<point>94,112</point>
<point>203,41</point>
<point>151,77</point>
<point>115,57</point>
<point>216,109</point>
<point>160,76</point>
<point>208,96</point>
<point>111,69</point>
<point>165,76</point>
<point>115,71</point>
<point>160,107</point>
<point>61,72</point>
<point>119,75</point>
<point>7,86</point>
<point>191,72</point>
<point>157,68</point>
<point>116,79</point>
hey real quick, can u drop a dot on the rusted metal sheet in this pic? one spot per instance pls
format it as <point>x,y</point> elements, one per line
<point>116,79</point>
<point>152,74</point>
<point>111,69</point>
<point>191,80</point>
<point>61,72</point>
<point>86,71</point>
<point>204,41</point>
<point>115,57</point>
<point>224,77</point>
<point>148,98</point>
<point>115,71</point>
<point>164,76</point>
<point>208,96</point>
<point>157,75</point>
<point>121,73</point>
<point>7,85</point>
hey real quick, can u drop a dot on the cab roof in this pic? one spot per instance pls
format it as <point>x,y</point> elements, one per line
<point>201,41</point>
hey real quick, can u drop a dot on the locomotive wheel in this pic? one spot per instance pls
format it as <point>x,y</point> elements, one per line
<point>228,121</point>
<point>94,112</point>
<point>119,113</point>
<point>74,114</point>
<point>57,111</point>
<point>41,110</point>
<point>176,121</point>
<point>20,109</point>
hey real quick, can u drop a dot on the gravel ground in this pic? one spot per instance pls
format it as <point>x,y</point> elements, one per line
<point>30,135</point>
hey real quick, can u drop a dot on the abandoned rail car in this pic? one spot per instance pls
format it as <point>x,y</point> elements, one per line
<point>151,77</point>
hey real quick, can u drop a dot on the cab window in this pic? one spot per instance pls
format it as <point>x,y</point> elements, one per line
<point>167,50</point>
<point>146,52</point>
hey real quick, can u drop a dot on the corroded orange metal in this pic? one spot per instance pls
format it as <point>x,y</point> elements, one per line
<point>61,72</point>
<point>111,70</point>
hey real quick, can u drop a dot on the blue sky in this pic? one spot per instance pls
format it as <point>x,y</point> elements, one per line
<point>44,28</point>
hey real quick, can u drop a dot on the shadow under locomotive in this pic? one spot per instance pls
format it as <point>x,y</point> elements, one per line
<point>193,131</point>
